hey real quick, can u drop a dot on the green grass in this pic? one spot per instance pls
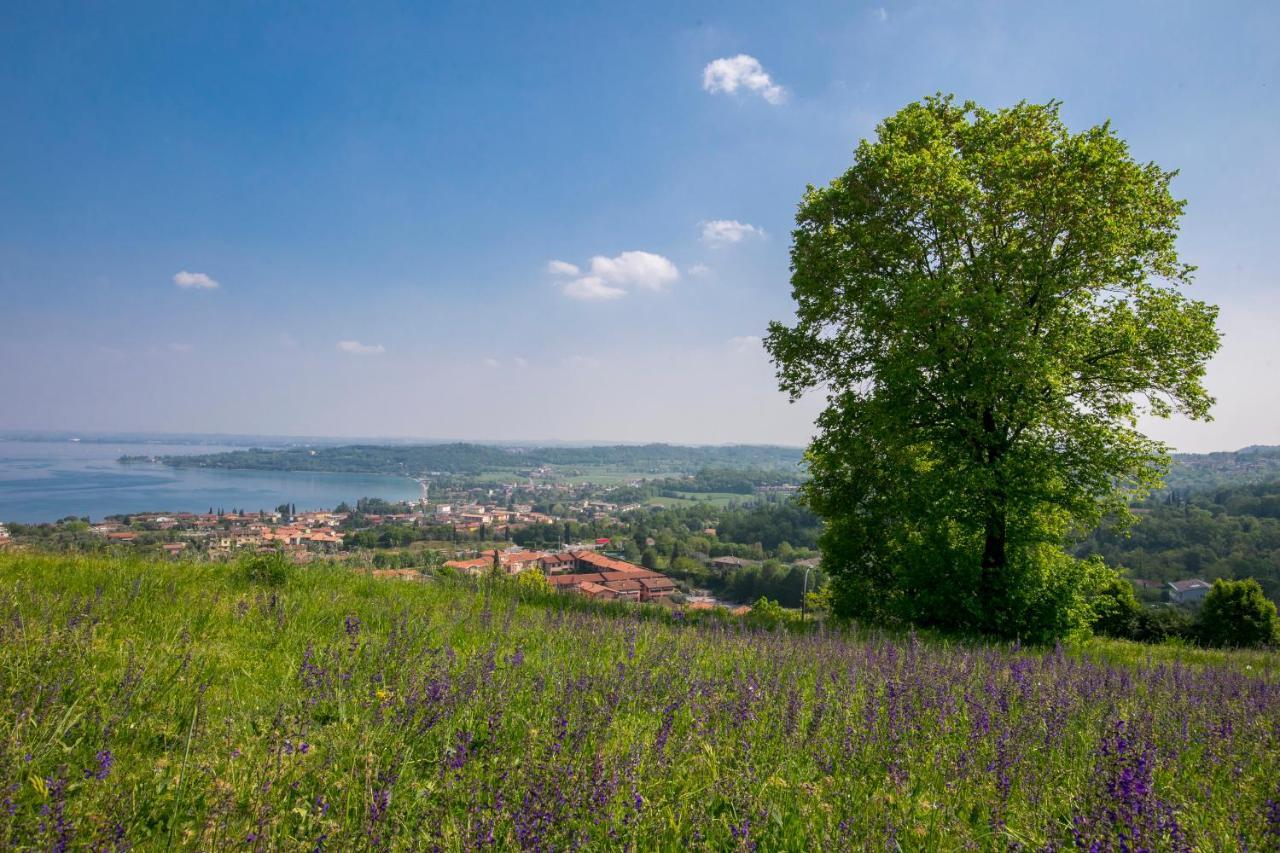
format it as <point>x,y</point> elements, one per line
<point>685,499</point>
<point>441,715</point>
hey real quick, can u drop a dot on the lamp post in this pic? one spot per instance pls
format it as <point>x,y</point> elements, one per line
<point>804,595</point>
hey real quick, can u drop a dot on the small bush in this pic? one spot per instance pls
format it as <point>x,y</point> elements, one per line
<point>272,569</point>
<point>1115,609</point>
<point>767,613</point>
<point>1236,613</point>
<point>1162,623</point>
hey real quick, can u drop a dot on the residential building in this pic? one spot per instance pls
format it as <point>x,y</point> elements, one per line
<point>1188,591</point>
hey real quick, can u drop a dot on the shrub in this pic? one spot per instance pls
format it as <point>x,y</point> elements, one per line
<point>532,582</point>
<point>1115,608</point>
<point>767,613</point>
<point>1160,623</point>
<point>272,569</point>
<point>1236,613</point>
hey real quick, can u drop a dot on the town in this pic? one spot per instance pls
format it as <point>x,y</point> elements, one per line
<point>642,541</point>
<point>575,538</point>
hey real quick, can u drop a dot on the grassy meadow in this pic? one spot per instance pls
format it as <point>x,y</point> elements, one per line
<point>721,499</point>
<point>187,706</point>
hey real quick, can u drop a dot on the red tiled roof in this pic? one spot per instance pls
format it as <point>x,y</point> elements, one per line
<point>656,583</point>
<point>600,561</point>
<point>623,585</point>
<point>574,580</point>
<point>477,563</point>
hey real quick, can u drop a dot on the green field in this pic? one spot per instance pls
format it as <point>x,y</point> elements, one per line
<point>196,706</point>
<point>694,498</point>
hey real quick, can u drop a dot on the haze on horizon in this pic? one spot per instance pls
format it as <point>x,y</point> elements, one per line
<point>539,224</point>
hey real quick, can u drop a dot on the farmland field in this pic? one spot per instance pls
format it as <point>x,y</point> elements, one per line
<point>193,706</point>
<point>694,498</point>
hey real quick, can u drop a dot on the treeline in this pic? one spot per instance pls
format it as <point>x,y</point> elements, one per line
<point>1222,533</point>
<point>473,459</point>
<point>736,481</point>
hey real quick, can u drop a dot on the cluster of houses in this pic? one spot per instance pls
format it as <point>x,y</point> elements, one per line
<point>580,570</point>
<point>221,535</point>
<point>496,518</point>
<point>476,516</point>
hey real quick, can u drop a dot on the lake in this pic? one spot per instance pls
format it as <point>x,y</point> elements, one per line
<point>48,480</point>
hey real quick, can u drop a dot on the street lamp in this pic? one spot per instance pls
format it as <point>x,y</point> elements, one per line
<point>804,595</point>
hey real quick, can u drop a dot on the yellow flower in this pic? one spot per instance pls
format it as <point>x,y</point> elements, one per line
<point>383,694</point>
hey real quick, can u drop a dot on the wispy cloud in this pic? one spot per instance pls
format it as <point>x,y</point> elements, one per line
<point>562,268</point>
<point>745,343</point>
<point>194,281</point>
<point>723,232</point>
<point>592,288</point>
<point>881,13</point>
<point>699,270</point>
<point>732,73</point>
<point>491,363</point>
<point>357,348</point>
<point>520,362</point>
<point>613,278</point>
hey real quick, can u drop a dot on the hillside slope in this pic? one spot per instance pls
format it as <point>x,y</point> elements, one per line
<point>160,704</point>
<point>477,458</point>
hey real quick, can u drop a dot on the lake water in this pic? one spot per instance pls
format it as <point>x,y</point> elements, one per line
<point>48,480</point>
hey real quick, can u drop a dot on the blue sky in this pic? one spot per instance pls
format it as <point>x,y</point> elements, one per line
<point>378,190</point>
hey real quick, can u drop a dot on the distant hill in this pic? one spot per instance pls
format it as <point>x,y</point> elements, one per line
<point>1217,532</point>
<point>1205,471</point>
<point>474,459</point>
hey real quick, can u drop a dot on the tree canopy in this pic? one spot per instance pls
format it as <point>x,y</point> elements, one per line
<point>989,302</point>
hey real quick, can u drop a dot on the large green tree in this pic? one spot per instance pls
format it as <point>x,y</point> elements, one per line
<point>989,302</point>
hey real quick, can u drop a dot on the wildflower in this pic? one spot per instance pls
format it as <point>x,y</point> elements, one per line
<point>103,770</point>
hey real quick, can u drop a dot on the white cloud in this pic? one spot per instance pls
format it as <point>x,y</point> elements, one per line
<point>592,288</point>
<point>194,281</point>
<point>613,278</point>
<point>882,14</point>
<point>745,343</point>
<point>699,270</point>
<point>357,348</point>
<point>562,268</point>
<point>521,363</point>
<point>722,232</point>
<point>638,269</point>
<point>491,363</point>
<point>732,73</point>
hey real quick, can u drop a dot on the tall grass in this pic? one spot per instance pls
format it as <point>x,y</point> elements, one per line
<point>195,707</point>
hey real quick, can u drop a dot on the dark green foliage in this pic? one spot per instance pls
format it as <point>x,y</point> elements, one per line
<point>771,525</point>
<point>1161,623</point>
<point>271,570</point>
<point>1237,614</point>
<point>1230,532</point>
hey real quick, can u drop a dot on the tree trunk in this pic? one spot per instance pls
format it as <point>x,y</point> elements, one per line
<point>995,557</point>
<point>995,561</point>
